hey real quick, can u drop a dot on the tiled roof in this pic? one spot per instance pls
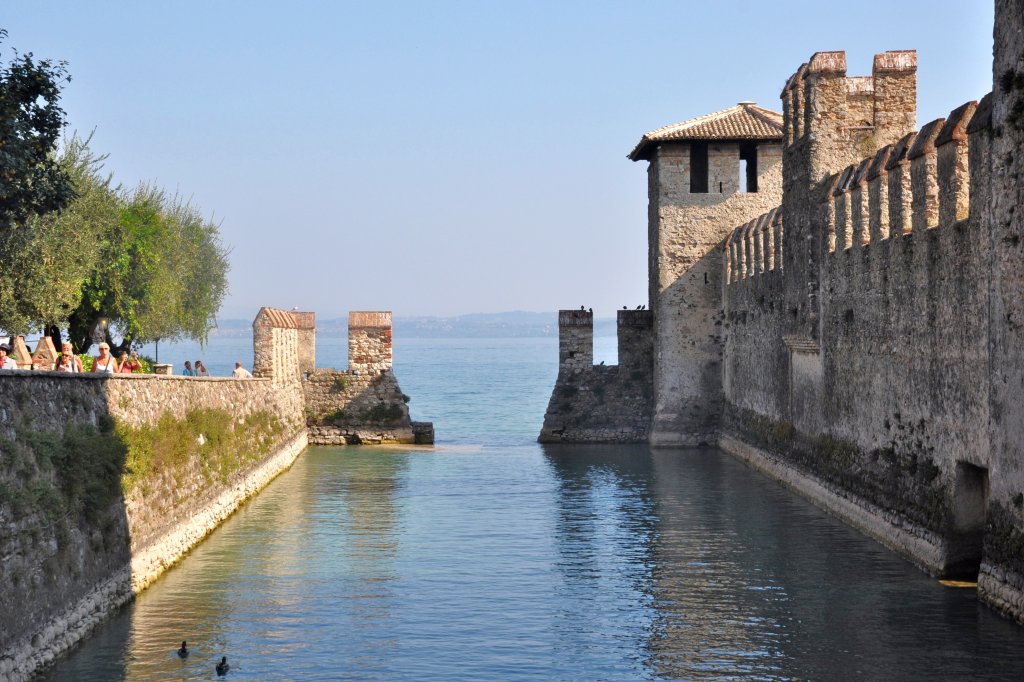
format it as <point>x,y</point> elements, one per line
<point>282,319</point>
<point>745,121</point>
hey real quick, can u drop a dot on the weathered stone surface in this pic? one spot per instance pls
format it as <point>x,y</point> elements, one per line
<point>601,404</point>
<point>356,407</point>
<point>872,351</point>
<point>62,578</point>
<point>63,570</point>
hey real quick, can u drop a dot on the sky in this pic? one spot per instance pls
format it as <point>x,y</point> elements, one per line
<point>445,158</point>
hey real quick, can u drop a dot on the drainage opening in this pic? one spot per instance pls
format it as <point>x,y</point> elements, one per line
<point>969,504</point>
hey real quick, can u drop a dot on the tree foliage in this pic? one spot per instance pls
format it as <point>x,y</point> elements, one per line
<point>43,268</point>
<point>75,249</point>
<point>161,273</point>
<point>31,120</point>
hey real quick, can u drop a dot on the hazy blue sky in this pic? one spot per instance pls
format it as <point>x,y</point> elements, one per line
<point>446,157</point>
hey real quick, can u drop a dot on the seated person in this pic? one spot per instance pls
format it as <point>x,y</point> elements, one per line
<point>241,372</point>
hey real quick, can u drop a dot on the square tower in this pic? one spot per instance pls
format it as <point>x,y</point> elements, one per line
<point>705,176</point>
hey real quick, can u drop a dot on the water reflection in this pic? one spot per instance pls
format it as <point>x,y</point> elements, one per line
<point>524,563</point>
<point>603,536</point>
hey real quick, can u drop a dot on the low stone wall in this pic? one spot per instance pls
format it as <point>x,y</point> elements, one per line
<point>356,407</point>
<point>602,403</point>
<point>599,404</point>
<point>105,481</point>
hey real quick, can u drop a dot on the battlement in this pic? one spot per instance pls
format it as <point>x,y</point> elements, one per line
<point>369,341</point>
<point>820,95</point>
<point>602,403</point>
<point>755,247</point>
<point>576,338</point>
<point>920,182</point>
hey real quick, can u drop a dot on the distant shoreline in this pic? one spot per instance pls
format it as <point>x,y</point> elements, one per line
<point>476,325</point>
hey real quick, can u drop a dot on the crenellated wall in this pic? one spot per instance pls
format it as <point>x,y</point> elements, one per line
<point>107,480</point>
<point>861,364</point>
<point>601,403</point>
<point>363,404</point>
<point>1001,582</point>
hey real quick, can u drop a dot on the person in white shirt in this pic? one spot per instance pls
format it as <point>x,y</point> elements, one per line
<point>105,362</point>
<point>241,372</point>
<point>6,361</point>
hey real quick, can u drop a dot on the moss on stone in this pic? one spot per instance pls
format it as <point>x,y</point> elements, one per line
<point>904,479</point>
<point>222,443</point>
<point>1004,538</point>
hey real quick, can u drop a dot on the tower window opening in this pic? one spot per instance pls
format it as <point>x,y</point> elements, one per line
<point>698,168</point>
<point>748,167</point>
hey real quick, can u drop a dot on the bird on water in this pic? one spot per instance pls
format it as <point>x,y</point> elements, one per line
<point>223,667</point>
<point>183,651</point>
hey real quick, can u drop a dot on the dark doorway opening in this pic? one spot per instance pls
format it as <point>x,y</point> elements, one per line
<point>969,506</point>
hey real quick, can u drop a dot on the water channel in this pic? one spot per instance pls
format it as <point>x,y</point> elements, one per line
<point>506,560</point>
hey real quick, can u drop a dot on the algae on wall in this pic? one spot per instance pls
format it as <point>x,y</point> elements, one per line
<point>63,525</point>
<point>78,500</point>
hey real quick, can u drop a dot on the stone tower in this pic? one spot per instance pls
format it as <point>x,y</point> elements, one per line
<point>706,176</point>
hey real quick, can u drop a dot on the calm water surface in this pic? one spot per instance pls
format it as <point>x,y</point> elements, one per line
<point>492,558</point>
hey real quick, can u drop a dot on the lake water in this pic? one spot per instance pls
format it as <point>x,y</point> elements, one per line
<point>490,557</point>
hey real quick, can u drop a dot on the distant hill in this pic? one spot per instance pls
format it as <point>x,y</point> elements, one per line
<point>475,325</point>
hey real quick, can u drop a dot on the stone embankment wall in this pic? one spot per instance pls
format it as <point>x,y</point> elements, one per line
<point>363,404</point>
<point>872,342</point>
<point>601,404</point>
<point>105,481</point>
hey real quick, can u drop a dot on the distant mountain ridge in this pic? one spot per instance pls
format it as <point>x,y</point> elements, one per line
<point>512,324</point>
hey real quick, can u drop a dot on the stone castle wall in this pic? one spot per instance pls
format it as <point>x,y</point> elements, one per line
<point>599,403</point>
<point>862,365</point>
<point>105,481</point>
<point>363,404</point>
<point>685,280</point>
<point>353,408</point>
<point>868,326</point>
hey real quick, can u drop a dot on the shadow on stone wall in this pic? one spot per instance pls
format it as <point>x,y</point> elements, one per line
<point>107,481</point>
<point>64,529</point>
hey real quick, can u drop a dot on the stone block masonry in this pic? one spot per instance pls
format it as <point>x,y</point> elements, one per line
<point>601,404</point>
<point>106,481</point>
<point>865,372</point>
<point>861,340</point>
<point>363,404</point>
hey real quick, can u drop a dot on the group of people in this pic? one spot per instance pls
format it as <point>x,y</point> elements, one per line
<point>104,362</point>
<point>126,363</point>
<point>198,371</point>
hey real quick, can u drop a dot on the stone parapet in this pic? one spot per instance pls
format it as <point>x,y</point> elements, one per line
<point>369,341</point>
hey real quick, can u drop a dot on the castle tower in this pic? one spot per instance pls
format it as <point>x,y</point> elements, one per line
<point>706,176</point>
